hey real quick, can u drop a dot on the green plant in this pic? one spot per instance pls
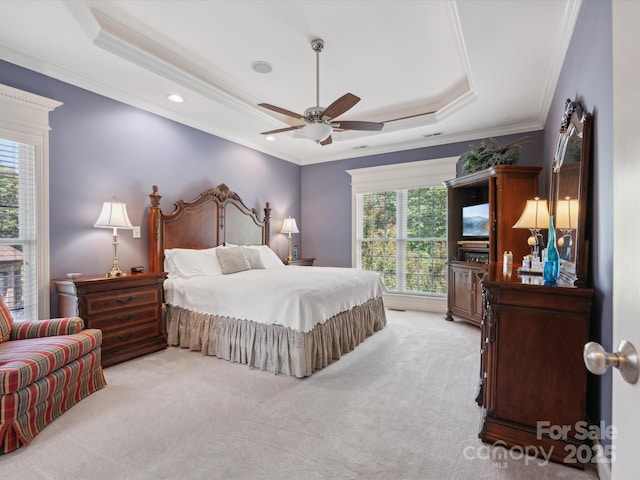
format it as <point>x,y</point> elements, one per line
<point>490,154</point>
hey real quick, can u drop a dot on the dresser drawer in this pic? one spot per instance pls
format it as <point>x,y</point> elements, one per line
<point>125,318</point>
<point>121,300</point>
<point>127,309</point>
<point>116,339</point>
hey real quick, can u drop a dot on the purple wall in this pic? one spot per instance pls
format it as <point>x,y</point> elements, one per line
<point>587,76</point>
<point>326,194</point>
<point>100,147</point>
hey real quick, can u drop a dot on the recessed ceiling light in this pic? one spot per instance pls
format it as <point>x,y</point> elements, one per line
<point>261,67</point>
<point>175,98</point>
<point>270,138</point>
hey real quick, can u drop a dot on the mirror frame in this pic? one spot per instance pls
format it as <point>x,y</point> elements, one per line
<point>575,122</point>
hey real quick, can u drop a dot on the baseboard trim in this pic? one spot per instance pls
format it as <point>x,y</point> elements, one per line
<point>603,467</point>
<point>421,303</point>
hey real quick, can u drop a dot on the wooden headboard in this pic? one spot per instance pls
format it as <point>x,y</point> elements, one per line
<point>215,217</point>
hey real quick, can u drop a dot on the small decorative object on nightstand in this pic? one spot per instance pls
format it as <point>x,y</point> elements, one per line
<point>128,310</point>
<point>301,262</point>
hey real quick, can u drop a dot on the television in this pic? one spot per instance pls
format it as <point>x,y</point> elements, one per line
<point>475,221</point>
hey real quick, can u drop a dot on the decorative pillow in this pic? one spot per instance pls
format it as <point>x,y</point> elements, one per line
<point>5,322</point>
<point>232,260</point>
<point>268,256</point>
<point>187,263</point>
<point>253,255</point>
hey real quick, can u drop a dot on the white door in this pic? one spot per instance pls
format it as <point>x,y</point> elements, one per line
<point>626,235</point>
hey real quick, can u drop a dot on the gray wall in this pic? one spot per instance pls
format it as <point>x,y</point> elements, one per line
<point>587,76</point>
<point>100,147</point>
<point>326,194</point>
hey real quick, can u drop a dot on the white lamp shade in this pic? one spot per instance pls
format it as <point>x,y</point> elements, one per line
<point>567,214</point>
<point>113,215</point>
<point>535,215</point>
<point>289,226</point>
<point>318,132</point>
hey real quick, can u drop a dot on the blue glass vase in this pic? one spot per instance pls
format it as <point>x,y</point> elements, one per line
<point>551,270</point>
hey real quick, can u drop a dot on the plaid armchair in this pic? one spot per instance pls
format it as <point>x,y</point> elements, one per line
<point>46,367</point>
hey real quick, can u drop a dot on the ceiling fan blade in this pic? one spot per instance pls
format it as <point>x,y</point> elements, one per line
<point>326,141</point>
<point>281,111</point>
<point>370,126</point>
<point>280,130</point>
<point>341,105</point>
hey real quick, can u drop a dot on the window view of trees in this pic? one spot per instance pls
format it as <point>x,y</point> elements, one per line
<point>403,238</point>
<point>11,254</point>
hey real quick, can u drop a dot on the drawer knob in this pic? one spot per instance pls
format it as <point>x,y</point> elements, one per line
<point>125,300</point>
<point>125,336</point>
<point>123,319</point>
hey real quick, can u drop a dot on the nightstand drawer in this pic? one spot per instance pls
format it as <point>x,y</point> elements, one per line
<point>128,310</point>
<point>122,300</point>
<point>116,339</point>
<point>125,318</point>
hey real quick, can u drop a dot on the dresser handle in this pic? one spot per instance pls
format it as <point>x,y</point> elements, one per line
<point>126,336</point>
<point>122,319</point>
<point>125,300</point>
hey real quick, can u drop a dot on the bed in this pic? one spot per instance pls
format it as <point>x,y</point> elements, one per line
<point>228,295</point>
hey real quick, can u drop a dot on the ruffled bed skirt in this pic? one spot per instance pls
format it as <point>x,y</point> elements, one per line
<point>273,347</point>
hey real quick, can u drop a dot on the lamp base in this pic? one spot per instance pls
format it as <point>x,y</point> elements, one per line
<point>115,270</point>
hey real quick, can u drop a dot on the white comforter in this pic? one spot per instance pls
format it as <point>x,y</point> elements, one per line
<point>294,297</point>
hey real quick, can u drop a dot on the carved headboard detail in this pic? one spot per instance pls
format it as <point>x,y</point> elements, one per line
<point>215,217</point>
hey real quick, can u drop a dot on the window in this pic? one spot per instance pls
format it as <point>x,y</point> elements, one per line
<point>399,229</point>
<point>24,202</point>
<point>402,235</point>
<point>18,242</point>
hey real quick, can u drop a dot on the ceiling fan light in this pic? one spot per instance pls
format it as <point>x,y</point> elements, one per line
<point>318,132</point>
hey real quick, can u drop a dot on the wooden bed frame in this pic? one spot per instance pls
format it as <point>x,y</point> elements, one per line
<point>215,217</point>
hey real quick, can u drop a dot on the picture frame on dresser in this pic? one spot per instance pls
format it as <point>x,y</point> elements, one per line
<point>128,310</point>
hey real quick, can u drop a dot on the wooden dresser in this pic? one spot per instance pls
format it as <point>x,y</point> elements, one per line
<point>533,379</point>
<point>506,188</point>
<point>127,309</point>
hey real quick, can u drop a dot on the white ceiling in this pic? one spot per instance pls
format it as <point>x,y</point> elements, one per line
<point>486,68</point>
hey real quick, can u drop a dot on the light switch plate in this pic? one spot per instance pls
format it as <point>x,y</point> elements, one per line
<point>136,232</point>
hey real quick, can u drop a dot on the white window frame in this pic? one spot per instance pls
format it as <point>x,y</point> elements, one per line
<point>24,118</point>
<point>400,176</point>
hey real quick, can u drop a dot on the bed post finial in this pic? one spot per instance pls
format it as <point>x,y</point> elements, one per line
<point>156,252</point>
<point>267,229</point>
<point>155,197</point>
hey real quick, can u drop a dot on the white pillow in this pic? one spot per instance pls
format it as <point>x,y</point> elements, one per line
<point>268,256</point>
<point>253,255</point>
<point>187,262</point>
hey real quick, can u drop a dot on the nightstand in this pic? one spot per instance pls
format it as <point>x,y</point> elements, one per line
<point>301,262</point>
<point>127,309</point>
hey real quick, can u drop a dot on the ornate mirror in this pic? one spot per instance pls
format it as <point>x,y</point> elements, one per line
<point>568,195</point>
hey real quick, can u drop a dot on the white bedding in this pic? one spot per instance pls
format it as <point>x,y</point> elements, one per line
<point>294,297</point>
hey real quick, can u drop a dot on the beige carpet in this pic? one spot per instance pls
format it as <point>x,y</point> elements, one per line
<point>399,407</point>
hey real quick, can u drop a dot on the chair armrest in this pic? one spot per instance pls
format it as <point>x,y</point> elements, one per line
<point>23,330</point>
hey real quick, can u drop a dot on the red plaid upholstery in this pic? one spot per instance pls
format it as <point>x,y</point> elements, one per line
<point>46,367</point>
<point>46,328</point>
<point>22,362</point>
<point>23,414</point>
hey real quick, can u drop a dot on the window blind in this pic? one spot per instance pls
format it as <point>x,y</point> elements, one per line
<point>18,229</point>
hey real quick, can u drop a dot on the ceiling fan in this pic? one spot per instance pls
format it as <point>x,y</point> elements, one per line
<point>320,122</point>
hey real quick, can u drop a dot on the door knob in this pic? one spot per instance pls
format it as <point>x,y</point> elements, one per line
<point>625,359</point>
